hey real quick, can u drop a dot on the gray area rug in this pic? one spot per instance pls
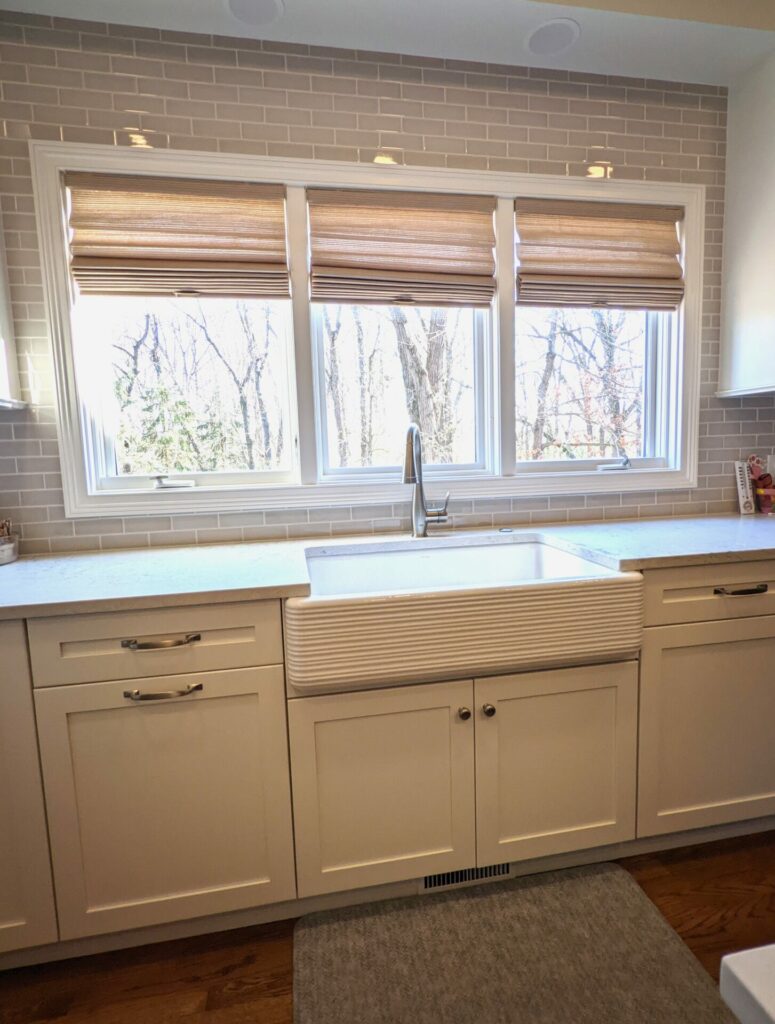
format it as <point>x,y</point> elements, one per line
<point>583,946</point>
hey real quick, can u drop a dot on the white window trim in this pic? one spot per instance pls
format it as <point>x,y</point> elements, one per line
<point>50,159</point>
<point>10,392</point>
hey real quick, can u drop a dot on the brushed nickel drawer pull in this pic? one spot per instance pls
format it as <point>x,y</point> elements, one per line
<point>163,694</point>
<point>760,588</point>
<point>160,645</point>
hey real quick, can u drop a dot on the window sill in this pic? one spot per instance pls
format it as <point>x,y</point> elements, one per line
<point>238,499</point>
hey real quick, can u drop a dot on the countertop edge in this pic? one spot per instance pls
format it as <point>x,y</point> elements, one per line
<point>181,599</point>
<point>684,561</point>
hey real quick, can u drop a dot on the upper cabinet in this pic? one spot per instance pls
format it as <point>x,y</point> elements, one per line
<point>10,395</point>
<point>748,311</point>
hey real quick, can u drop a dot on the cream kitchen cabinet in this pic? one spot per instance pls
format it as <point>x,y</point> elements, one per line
<point>555,761</point>
<point>400,783</point>
<point>168,807</point>
<point>706,754</point>
<point>27,916</point>
<point>383,785</point>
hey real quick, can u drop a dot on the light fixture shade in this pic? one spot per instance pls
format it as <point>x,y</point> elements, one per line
<point>255,12</point>
<point>553,37</point>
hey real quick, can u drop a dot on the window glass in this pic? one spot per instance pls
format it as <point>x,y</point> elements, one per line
<point>386,366</point>
<point>581,383</point>
<point>188,385</point>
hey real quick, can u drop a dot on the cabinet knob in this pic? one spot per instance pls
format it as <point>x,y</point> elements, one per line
<point>464,713</point>
<point>489,709</point>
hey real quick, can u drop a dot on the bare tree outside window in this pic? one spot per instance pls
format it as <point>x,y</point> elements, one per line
<point>580,383</point>
<point>197,385</point>
<point>387,366</point>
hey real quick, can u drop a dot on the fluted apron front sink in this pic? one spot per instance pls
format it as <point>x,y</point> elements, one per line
<point>414,611</point>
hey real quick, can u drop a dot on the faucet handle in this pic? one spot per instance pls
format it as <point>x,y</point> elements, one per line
<point>439,512</point>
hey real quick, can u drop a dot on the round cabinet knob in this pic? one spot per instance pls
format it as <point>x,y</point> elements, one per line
<point>489,709</point>
<point>464,713</point>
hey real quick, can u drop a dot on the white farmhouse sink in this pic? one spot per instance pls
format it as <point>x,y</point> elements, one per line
<point>430,566</point>
<point>454,606</point>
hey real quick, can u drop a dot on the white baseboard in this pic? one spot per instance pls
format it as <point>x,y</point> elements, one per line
<point>331,901</point>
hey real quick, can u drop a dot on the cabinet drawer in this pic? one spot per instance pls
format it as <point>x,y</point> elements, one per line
<point>695,593</point>
<point>154,642</point>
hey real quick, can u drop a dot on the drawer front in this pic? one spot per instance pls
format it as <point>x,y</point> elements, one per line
<point>154,642</point>
<point>701,593</point>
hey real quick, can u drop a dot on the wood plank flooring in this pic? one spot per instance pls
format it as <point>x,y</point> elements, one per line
<point>719,897</point>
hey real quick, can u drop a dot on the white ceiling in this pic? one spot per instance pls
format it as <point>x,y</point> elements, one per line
<point>752,13</point>
<point>480,30</point>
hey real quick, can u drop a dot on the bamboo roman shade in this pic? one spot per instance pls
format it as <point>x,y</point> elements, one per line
<point>598,254</point>
<point>134,235</point>
<point>401,247</point>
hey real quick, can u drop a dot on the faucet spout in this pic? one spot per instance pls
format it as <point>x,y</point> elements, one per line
<point>422,513</point>
<point>413,454</point>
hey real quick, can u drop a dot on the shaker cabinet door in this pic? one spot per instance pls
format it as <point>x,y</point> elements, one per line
<point>555,761</point>
<point>383,785</point>
<point>27,916</point>
<point>707,715</point>
<point>167,808</point>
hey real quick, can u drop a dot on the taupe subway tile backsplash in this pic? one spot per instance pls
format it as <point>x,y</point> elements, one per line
<point>76,81</point>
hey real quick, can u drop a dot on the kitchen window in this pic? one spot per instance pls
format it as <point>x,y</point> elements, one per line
<point>244,333</point>
<point>189,387</point>
<point>381,367</point>
<point>598,289</point>
<point>401,289</point>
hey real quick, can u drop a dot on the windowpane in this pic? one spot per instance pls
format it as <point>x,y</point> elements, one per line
<point>386,366</point>
<point>188,385</point>
<point>580,383</point>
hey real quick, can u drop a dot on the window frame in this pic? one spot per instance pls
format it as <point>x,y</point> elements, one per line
<point>483,377</point>
<point>661,428</point>
<point>501,477</point>
<point>98,440</point>
<point>10,392</point>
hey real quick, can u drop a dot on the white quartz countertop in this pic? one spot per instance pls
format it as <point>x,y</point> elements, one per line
<point>668,543</point>
<point>114,581</point>
<point>150,578</point>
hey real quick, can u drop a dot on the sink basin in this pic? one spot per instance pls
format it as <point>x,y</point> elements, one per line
<point>390,613</point>
<point>416,566</point>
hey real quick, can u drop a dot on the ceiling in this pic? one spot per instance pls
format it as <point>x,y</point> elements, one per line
<point>743,13</point>
<point>611,42</point>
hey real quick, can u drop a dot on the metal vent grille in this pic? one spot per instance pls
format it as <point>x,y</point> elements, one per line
<point>448,879</point>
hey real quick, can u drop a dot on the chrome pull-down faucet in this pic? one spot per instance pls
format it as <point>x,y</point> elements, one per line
<point>422,513</point>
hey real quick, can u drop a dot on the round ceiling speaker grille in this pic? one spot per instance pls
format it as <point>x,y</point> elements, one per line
<point>553,37</point>
<point>255,12</point>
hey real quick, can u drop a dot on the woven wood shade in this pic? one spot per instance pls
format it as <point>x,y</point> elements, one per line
<point>134,235</point>
<point>407,248</point>
<point>598,254</point>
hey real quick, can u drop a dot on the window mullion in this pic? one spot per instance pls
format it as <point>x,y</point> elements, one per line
<point>296,225</point>
<point>505,457</point>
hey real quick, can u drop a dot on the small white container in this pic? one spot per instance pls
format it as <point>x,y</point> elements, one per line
<point>9,549</point>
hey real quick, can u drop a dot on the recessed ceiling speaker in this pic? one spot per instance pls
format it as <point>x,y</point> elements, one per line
<point>255,12</point>
<point>553,37</point>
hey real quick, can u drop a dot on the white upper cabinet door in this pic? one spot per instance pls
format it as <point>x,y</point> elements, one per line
<point>383,785</point>
<point>27,916</point>
<point>555,761</point>
<point>707,725</point>
<point>169,808</point>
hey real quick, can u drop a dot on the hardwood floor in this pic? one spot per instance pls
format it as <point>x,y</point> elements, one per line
<point>719,897</point>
